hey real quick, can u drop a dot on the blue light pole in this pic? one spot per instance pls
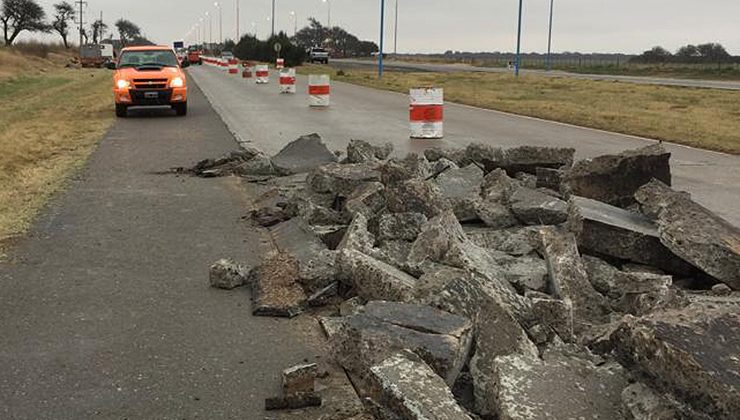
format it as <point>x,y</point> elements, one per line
<point>382,38</point>
<point>549,39</point>
<point>519,42</point>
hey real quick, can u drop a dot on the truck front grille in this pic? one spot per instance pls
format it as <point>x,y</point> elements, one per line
<point>150,83</point>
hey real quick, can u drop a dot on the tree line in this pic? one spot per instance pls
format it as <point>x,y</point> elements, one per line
<point>709,53</point>
<point>17,16</point>
<point>336,40</point>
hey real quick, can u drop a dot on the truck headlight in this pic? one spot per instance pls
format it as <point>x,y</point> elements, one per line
<point>177,82</point>
<point>122,84</point>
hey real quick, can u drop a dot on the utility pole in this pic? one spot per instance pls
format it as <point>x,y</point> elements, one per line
<point>519,42</point>
<point>81,3</point>
<point>101,26</point>
<point>395,35</point>
<point>382,38</point>
<point>273,17</point>
<point>238,29</point>
<point>549,39</point>
<point>328,19</point>
<point>295,22</point>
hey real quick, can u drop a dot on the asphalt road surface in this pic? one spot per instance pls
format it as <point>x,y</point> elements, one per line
<point>105,310</point>
<point>392,65</point>
<point>259,114</point>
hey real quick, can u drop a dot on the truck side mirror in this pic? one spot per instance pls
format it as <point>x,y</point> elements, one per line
<point>185,63</point>
<point>110,65</point>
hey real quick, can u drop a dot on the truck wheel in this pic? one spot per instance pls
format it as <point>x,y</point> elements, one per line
<point>121,111</point>
<point>181,109</point>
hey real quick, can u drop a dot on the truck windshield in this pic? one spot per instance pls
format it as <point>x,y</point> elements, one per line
<point>152,58</point>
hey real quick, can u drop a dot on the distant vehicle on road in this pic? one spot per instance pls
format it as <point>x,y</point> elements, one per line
<point>149,76</point>
<point>318,55</point>
<point>96,55</point>
<point>227,55</point>
<point>194,56</point>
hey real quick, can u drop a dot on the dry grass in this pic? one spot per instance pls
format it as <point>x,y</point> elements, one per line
<point>50,122</point>
<point>705,118</point>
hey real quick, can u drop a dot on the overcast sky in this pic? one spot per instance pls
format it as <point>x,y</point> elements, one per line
<point>629,26</point>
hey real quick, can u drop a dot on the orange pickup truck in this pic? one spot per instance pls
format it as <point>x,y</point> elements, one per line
<point>149,76</point>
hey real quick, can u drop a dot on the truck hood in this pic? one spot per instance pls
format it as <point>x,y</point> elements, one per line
<point>164,73</point>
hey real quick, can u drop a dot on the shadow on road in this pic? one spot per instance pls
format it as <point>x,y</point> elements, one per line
<point>151,112</point>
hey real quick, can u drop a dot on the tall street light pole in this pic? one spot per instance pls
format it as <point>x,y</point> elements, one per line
<point>295,22</point>
<point>210,28</point>
<point>238,28</point>
<point>220,24</point>
<point>519,42</point>
<point>382,38</point>
<point>395,35</point>
<point>549,39</point>
<point>273,17</point>
<point>328,19</point>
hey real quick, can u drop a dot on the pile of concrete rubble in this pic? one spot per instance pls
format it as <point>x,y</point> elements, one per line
<point>501,283</point>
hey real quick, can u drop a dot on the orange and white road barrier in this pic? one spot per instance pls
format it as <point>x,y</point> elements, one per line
<point>224,64</point>
<point>426,113</point>
<point>287,81</point>
<point>234,66</point>
<point>262,73</point>
<point>280,63</point>
<point>319,89</point>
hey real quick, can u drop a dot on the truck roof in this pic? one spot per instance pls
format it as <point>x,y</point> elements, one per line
<point>148,48</point>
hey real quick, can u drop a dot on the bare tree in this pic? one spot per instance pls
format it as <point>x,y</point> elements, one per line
<point>128,31</point>
<point>63,15</point>
<point>21,15</point>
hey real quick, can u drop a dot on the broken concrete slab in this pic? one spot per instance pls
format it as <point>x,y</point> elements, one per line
<point>516,241</point>
<point>558,387</point>
<point>368,199</point>
<point>569,280</point>
<point>226,274</point>
<point>614,179</point>
<point>293,402</point>
<point>394,253</point>
<point>640,402</point>
<point>341,179</point>
<point>304,154</point>
<point>372,278</point>
<point>533,207</point>
<point>528,158</point>
<point>498,186</point>
<point>400,226</point>
<point>556,314</point>
<point>524,273</point>
<point>603,276</point>
<point>693,232</point>
<point>461,187</point>
<point>408,388</point>
<point>316,261</point>
<point>690,352</point>
<point>415,196</point>
<point>496,215</point>
<point>359,151</point>
<point>379,329</point>
<point>300,379</point>
<point>608,230</point>
<point>549,178</point>
<point>275,289</point>
<point>357,236</point>
<point>454,155</point>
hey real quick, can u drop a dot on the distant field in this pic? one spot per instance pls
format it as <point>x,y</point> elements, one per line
<point>705,118</point>
<point>722,71</point>
<point>50,121</point>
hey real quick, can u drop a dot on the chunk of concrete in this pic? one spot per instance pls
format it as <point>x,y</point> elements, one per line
<point>381,328</point>
<point>496,215</point>
<point>360,151</point>
<point>407,387</point>
<point>304,154</point>
<point>690,352</point>
<point>533,207</point>
<point>549,178</point>
<point>614,179</point>
<point>640,403</point>
<point>693,233</point>
<point>357,236</point>
<point>607,230</point>
<point>528,158</point>
<point>569,280</point>
<point>372,278</point>
<point>300,379</point>
<point>516,241</point>
<point>316,262</point>
<point>341,179</point>
<point>461,187</point>
<point>416,196</point>
<point>275,289</point>
<point>456,155</point>
<point>557,387</point>
<point>497,186</point>
<point>226,274</point>
<point>368,199</point>
<point>400,226</point>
